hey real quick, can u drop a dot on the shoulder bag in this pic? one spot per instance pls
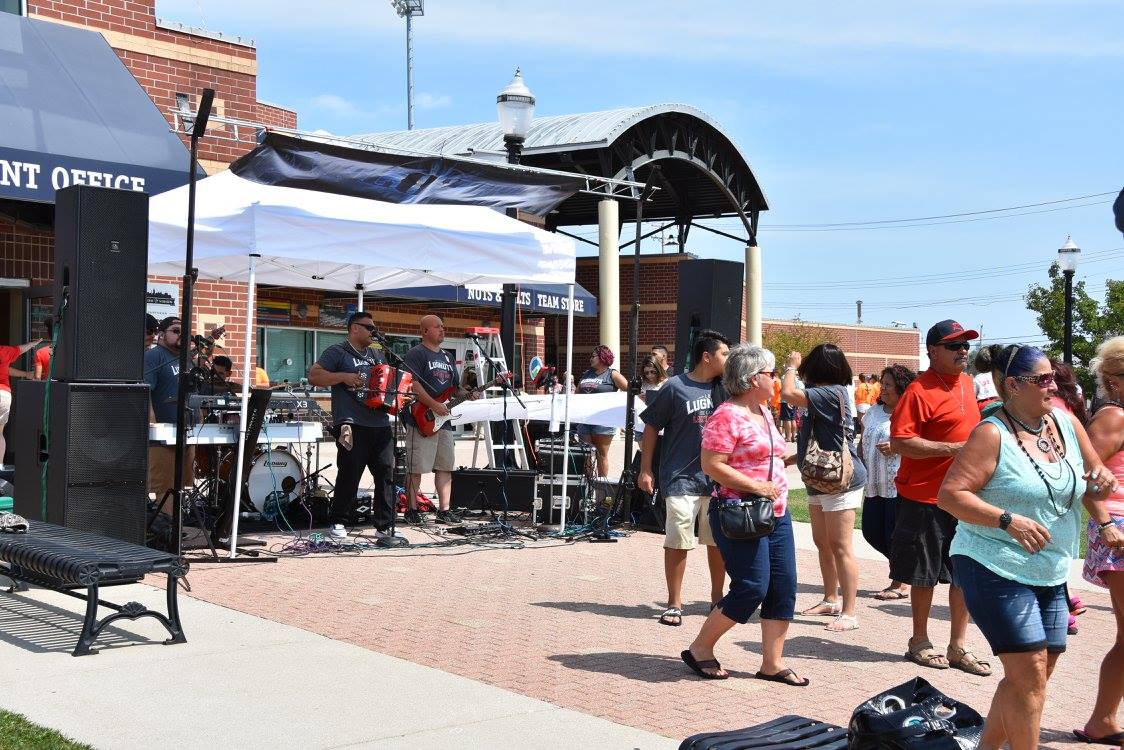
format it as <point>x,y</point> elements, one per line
<point>751,516</point>
<point>827,471</point>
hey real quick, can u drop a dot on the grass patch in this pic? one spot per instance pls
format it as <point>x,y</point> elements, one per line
<point>798,507</point>
<point>18,733</point>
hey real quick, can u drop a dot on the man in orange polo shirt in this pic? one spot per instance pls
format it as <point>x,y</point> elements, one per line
<point>930,424</point>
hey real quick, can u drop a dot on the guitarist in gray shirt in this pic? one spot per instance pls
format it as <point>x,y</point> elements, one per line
<point>435,373</point>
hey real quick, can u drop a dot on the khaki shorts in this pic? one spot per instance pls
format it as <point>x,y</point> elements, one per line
<point>849,500</point>
<point>427,454</point>
<point>5,408</point>
<point>682,511</point>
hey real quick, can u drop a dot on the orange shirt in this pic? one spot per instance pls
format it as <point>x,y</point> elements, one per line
<point>776,394</point>
<point>934,407</point>
<point>862,394</point>
<point>43,359</point>
<point>875,393</point>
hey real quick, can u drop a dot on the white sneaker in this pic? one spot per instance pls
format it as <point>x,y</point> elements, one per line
<point>337,531</point>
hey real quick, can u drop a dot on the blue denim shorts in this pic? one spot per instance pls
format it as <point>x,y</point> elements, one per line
<point>1014,617</point>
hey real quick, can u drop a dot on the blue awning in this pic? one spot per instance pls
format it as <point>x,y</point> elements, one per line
<point>72,113</point>
<point>551,299</point>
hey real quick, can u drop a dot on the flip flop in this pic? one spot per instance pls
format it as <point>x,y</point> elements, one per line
<point>890,595</point>
<point>1112,739</point>
<point>782,677</point>
<point>698,666</point>
<point>668,614</point>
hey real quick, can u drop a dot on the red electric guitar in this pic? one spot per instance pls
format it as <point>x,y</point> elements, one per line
<point>429,423</point>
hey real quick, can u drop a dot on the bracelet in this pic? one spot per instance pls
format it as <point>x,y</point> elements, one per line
<point>1105,525</point>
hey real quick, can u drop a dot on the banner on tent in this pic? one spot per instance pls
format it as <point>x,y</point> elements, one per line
<point>291,162</point>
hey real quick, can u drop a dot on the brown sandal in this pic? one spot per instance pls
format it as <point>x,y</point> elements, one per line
<point>923,654</point>
<point>968,662</point>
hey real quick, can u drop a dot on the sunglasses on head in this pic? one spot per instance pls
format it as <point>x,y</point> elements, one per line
<point>958,346</point>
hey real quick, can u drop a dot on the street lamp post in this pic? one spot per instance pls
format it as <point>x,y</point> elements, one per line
<point>1067,260</point>
<point>516,107</point>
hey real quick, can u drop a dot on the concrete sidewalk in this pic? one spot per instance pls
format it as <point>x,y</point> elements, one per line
<point>241,681</point>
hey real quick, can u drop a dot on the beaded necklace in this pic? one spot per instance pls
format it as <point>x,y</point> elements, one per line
<point>1057,450</point>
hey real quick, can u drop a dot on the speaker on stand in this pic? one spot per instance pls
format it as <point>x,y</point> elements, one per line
<point>710,296</point>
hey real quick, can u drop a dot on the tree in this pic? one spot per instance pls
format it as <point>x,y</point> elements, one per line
<point>796,336</point>
<point>1093,322</point>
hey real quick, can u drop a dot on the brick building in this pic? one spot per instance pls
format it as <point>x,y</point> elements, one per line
<point>868,348</point>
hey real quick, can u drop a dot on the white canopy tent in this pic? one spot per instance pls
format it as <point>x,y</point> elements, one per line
<point>255,233</point>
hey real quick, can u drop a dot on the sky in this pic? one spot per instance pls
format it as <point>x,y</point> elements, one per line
<point>846,112</point>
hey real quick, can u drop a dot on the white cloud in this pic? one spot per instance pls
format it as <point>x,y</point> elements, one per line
<point>334,104</point>
<point>426,100</point>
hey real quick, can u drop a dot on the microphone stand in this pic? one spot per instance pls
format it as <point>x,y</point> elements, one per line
<point>505,528</point>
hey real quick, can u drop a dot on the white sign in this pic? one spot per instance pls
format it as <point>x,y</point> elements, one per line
<point>161,300</point>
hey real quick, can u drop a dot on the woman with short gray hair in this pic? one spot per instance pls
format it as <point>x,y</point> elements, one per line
<point>743,453</point>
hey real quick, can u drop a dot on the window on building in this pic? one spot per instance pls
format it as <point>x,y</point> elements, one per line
<point>289,352</point>
<point>17,7</point>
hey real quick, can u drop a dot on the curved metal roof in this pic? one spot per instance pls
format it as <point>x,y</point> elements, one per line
<point>583,130</point>
<point>613,143</point>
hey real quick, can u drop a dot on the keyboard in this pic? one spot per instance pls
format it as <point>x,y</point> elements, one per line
<point>227,434</point>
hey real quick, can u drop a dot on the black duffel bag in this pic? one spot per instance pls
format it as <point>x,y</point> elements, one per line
<point>914,716</point>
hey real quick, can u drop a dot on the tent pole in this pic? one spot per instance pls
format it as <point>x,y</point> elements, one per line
<point>566,410</point>
<point>246,353</point>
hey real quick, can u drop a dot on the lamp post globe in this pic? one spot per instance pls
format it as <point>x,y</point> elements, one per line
<point>516,108</point>
<point>1068,255</point>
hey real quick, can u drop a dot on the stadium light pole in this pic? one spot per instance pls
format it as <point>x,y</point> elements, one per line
<point>408,9</point>
<point>1068,255</point>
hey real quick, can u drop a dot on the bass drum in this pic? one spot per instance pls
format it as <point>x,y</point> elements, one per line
<point>274,474</point>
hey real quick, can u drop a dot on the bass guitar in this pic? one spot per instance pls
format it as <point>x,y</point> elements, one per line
<point>429,423</point>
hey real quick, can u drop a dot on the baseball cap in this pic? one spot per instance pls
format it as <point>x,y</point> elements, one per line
<point>948,330</point>
<point>167,323</point>
<point>150,323</point>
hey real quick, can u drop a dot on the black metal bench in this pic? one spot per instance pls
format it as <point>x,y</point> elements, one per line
<point>64,560</point>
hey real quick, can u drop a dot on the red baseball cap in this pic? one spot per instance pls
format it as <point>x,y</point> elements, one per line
<point>949,330</point>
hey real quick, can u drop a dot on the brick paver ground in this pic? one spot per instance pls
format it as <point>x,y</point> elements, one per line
<point>575,625</point>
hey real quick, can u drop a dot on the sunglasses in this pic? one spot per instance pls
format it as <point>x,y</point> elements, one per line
<point>959,346</point>
<point>649,371</point>
<point>176,331</point>
<point>370,328</point>
<point>1045,380</point>
<point>770,373</point>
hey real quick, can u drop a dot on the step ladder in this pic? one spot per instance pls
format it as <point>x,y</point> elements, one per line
<point>488,361</point>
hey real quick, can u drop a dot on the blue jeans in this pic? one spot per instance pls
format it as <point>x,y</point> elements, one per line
<point>762,571</point>
<point>1014,617</point>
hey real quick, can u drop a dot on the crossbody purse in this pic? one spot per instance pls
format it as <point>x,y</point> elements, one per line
<point>827,471</point>
<point>751,516</point>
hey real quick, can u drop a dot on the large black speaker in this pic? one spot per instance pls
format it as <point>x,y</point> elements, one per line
<point>96,455</point>
<point>469,483</point>
<point>101,258</point>
<point>710,296</point>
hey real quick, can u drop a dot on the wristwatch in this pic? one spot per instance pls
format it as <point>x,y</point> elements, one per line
<point>1005,520</point>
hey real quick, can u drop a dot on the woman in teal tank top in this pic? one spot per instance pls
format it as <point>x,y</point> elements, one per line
<point>1017,488</point>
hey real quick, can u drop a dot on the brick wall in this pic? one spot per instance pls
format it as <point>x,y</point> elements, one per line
<point>868,348</point>
<point>167,60</point>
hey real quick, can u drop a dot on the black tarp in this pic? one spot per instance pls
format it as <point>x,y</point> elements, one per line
<point>312,165</point>
<point>72,113</point>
